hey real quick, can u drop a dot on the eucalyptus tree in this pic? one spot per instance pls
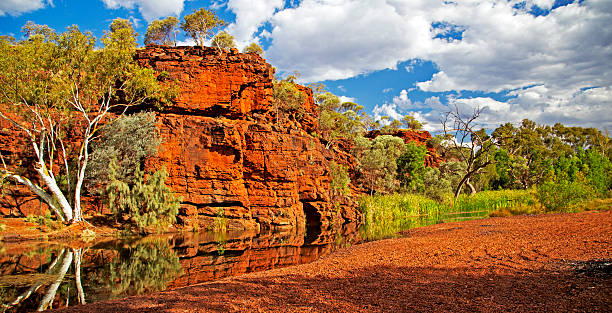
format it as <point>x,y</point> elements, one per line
<point>471,146</point>
<point>162,32</point>
<point>201,24</point>
<point>57,90</point>
<point>339,119</point>
<point>223,41</point>
<point>378,162</point>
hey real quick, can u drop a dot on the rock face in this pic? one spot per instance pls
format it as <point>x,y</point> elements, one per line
<point>228,155</point>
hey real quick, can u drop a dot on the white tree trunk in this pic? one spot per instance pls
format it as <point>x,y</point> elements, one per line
<point>35,287</point>
<point>38,191</point>
<point>55,191</point>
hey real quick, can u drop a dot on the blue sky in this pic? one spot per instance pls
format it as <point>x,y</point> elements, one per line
<point>546,60</point>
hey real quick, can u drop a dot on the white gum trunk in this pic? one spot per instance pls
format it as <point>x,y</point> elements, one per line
<point>55,192</point>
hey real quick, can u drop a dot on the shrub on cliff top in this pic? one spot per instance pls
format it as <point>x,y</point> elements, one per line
<point>253,48</point>
<point>223,41</point>
<point>287,97</point>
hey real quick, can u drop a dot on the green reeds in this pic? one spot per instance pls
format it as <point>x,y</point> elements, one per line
<point>386,215</point>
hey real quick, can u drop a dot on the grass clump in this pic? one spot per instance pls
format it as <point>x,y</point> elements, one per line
<point>386,215</point>
<point>45,220</point>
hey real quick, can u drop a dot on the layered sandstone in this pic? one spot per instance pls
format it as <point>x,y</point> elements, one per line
<point>227,153</point>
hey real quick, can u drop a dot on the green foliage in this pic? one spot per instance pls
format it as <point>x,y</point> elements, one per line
<point>160,32</point>
<point>220,223</point>
<point>412,123</point>
<point>385,215</point>
<point>45,220</point>
<point>389,126</point>
<point>149,203</point>
<point>338,120</point>
<point>495,200</point>
<point>129,140</point>
<point>254,48</point>
<point>223,41</point>
<point>378,165</point>
<point>201,24</point>
<point>33,31</point>
<point>564,195</point>
<point>411,166</point>
<point>287,97</point>
<point>147,267</point>
<point>436,185</point>
<point>537,152</point>
<point>340,179</point>
<point>598,171</point>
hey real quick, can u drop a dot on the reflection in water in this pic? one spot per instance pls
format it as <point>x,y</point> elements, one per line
<point>148,266</point>
<point>47,276</point>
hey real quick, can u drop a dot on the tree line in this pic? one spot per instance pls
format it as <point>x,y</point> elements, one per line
<point>561,162</point>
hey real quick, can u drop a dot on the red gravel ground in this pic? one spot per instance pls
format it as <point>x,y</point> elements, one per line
<point>546,263</point>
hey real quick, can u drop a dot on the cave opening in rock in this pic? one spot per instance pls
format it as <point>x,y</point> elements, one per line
<point>313,223</point>
<point>312,216</point>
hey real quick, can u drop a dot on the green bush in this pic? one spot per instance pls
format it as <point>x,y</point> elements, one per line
<point>129,140</point>
<point>149,203</point>
<point>340,179</point>
<point>564,195</point>
<point>287,96</point>
<point>411,166</point>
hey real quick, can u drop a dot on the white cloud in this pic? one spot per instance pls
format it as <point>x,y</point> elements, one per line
<point>334,39</point>
<point>586,108</point>
<point>346,99</point>
<point>250,15</point>
<point>387,109</point>
<point>18,7</point>
<point>150,9</point>
<point>402,100</point>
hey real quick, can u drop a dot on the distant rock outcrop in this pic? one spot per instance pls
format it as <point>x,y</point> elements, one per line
<point>420,137</point>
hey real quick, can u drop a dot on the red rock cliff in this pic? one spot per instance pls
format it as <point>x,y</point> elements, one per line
<point>226,153</point>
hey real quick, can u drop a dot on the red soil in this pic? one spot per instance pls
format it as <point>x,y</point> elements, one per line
<point>546,263</point>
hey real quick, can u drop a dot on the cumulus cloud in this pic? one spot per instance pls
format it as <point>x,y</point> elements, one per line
<point>250,15</point>
<point>150,9</point>
<point>18,7</point>
<point>335,39</point>
<point>387,109</point>
<point>555,65</point>
<point>346,99</point>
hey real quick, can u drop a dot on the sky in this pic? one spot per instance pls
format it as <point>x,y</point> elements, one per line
<point>546,60</point>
